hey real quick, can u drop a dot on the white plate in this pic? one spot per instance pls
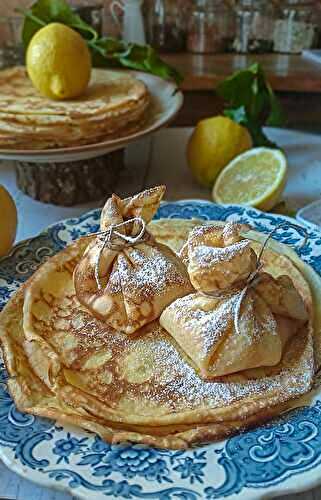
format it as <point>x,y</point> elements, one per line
<point>311,215</point>
<point>167,100</point>
<point>281,457</point>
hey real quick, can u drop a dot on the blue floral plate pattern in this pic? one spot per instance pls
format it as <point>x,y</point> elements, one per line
<point>266,461</point>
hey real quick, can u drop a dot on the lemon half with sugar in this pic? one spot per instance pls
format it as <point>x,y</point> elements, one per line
<point>256,178</point>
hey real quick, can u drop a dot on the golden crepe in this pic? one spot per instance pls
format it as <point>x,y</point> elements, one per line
<point>245,327</point>
<point>64,363</point>
<point>218,258</point>
<point>114,104</point>
<point>175,234</point>
<point>138,281</point>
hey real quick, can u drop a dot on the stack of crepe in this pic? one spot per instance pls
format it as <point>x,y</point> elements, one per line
<point>83,343</point>
<point>113,106</point>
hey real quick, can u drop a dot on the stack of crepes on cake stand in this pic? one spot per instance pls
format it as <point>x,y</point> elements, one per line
<point>159,333</point>
<point>113,106</point>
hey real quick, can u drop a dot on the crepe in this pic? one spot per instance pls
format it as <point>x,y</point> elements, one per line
<point>32,396</point>
<point>63,363</point>
<point>278,259</point>
<point>218,258</point>
<point>233,322</point>
<point>173,232</point>
<point>138,280</point>
<point>114,103</point>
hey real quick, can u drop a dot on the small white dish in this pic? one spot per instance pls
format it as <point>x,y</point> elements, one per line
<point>310,215</point>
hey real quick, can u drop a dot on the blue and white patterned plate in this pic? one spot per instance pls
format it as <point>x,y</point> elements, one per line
<point>281,457</point>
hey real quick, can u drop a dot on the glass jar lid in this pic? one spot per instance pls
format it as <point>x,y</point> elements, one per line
<point>299,4</point>
<point>209,5</point>
<point>251,4</point>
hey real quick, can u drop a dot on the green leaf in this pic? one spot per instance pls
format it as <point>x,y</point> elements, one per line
<point>250,101</point>
<point>30,27</point>
<point>258,135</point>
<point>276,117</point>
<point>236,89</point>
<point>106,51</point>
<point>238,115</point>
<point>44,12</point>
<point>111,46</point>
<point>145,58</point>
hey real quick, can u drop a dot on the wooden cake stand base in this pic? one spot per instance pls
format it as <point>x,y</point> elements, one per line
<point>70,183</point>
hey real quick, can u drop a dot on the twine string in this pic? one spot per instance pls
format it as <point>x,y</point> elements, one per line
<point>117,241</point>
<point>253,278</point>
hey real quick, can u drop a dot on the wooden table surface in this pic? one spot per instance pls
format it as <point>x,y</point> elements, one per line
<point>149,163</point>
<point>296,80</point>
<point>286,73</point>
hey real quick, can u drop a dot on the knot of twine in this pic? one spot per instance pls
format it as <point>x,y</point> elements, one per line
<point>117,241</point>
<point>254,277</point>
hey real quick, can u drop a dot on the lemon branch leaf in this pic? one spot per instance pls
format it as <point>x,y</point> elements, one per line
<point>250,101</point>
<point>106,51</point>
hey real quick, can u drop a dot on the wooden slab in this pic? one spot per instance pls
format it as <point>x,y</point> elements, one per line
<point>287,73</point>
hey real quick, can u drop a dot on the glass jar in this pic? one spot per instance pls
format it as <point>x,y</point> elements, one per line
<point>210,27</point>
<point>166,25</point>
<point>318,24</point>
<point>91,11</point>
<point>295,29</point>
<point>254,26</point>
<point>11,49</point>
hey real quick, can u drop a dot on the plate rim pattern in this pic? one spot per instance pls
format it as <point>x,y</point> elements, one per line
<point>265,459</point>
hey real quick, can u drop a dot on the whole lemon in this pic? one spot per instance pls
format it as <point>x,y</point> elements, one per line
<point>8,221</point>
<point>213,144</point>
<point>58,62</point>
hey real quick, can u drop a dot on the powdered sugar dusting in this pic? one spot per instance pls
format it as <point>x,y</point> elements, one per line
<point>178,385</point>
<point>149,272</point>
<point>206,256</point>
<point>207,326</point>
<point>231,233</point>
<point>174,383</point>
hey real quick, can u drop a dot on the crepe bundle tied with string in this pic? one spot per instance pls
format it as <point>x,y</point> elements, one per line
<point>240,317</point>
<point>64,363</point>
<point>126,278</point>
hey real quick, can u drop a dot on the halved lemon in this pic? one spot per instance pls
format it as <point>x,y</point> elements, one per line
<point>256,178</point>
